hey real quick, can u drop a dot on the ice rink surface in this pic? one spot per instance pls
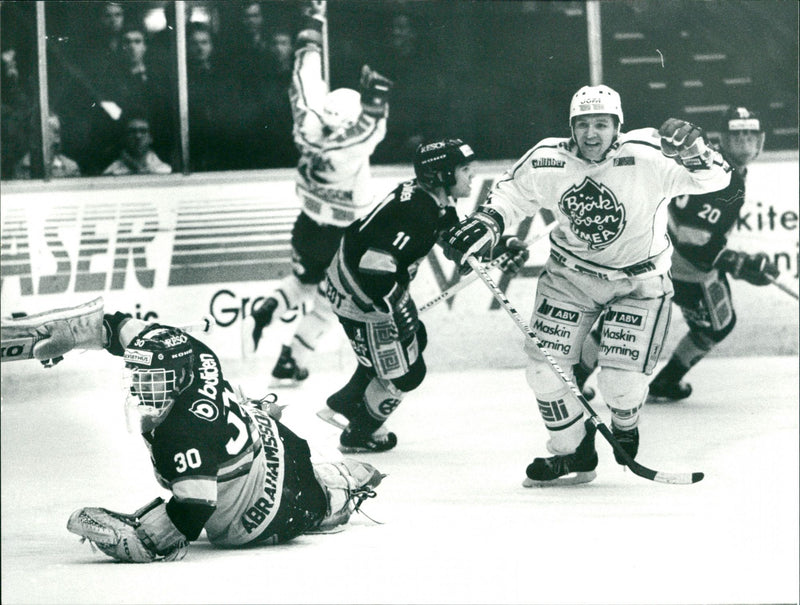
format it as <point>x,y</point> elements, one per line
<point>457,526</point>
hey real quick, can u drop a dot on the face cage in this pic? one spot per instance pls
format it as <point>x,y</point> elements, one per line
<point>150,392</point>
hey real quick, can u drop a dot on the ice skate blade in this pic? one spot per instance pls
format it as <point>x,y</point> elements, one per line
<point>284,383</point>
<point>571,479</point>
<point>661,400</point>
<point>333,418</point>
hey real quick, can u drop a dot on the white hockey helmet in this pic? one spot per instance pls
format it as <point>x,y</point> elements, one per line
<point>595,99</point>
<point>341,109</point>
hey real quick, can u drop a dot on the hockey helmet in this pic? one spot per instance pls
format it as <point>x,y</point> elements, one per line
<point>594,100</point>
<point>158,366</point>
<point>435,163</point>
<point>341,109</point>
<point>737,120</point>
<point>740,118</point>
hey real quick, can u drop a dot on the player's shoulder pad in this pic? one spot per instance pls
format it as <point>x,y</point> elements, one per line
<point>641,138</point>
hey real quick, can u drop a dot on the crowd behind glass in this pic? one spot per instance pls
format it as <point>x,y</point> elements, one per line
<point>497,73</point>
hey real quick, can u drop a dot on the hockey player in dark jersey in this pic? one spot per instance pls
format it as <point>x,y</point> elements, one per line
<point>368,287</point>
<point>233,469</point>
<point>699,226</point>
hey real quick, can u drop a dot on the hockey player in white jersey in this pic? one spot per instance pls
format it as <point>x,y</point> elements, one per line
<point>609,254</point>
<point>336,132</point>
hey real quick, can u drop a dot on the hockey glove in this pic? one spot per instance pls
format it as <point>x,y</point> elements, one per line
<point>374,92</point>
<point>403,312</point>
<point>51,334</point>
<point>474,236</point>
<point>314,18</point>
<point>516,251</point>
<point>755,269</point>
<point>684,142</point>
<point>145,536</point>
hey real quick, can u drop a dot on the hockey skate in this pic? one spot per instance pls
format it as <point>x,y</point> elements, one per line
<point>286,372</point>
<point>343,405</point>
<point>629,440</point>
<point>667,391</point>
<point>261,318</point>
<point>354,441</point>
<point>570,469</point>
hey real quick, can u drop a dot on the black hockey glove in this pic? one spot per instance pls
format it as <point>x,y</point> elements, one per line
<point>517,254</point>
<point>374,92</point>
<point>314,19</point>
<point>403,311</point>
<point>755,269</point>
<point>684,142</point>
<point>474,236</point>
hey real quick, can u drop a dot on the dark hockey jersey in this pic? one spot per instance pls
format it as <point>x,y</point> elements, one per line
<point>699,225</point>
<point>382,250</point>
<point>222,462</point>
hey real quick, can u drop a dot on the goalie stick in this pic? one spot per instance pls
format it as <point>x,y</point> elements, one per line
<point>636,468</point>
<point>466,281</point>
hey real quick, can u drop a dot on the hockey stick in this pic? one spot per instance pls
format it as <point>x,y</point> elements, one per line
<point>636,468</point>
<point>203,326</point>
<point>781,286</point>
<point>464,282</point>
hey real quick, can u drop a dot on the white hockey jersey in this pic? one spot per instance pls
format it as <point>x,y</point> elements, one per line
<point>333,172</point>
<point>612,214</point>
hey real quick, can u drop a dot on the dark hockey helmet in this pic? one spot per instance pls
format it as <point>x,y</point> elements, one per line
<point>739,118</point>
<point>435,163</point>
<point>741,135</point>
<point>159,363</point>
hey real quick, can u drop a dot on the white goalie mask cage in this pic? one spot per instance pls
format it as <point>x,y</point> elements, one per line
<point>158,367</point>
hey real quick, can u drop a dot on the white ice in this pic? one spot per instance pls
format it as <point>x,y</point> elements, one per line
<point>456,524</point>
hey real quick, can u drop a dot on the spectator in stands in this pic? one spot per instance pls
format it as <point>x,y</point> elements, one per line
<point>264,137</point>
<point>137,157</point>
<point>419,90</point>
<point>60,165</point>
<point>133,85</point>
<point>16,111</point>
<point>213,103</point>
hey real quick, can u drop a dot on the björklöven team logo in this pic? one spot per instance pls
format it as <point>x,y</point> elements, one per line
<point>594,213</point>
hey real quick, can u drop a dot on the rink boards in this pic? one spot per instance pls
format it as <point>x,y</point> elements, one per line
<point>178,248</point>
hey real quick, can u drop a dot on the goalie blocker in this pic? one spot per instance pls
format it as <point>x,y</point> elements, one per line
<point>50,334</point>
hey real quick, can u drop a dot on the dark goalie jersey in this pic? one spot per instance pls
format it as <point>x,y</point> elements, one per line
<point>384,248</point>
<point>699,225</point>
<point>223,463</point>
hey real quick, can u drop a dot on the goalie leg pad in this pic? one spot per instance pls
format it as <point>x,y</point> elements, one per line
<point>53,333</point>
<point>344,483</point>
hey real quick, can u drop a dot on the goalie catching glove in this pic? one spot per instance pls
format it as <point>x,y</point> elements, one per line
<point>755,269</point>
<point>145,536</point>
<point>476,235</point>
<point>684,142</point>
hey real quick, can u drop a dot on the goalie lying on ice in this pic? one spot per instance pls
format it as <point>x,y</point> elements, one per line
<point>232,467</point>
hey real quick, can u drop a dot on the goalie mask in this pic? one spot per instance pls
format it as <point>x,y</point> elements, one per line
<point>341,109</point>
<point>158,366</point>
<point>742,135</point>
<point>435,163</point>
